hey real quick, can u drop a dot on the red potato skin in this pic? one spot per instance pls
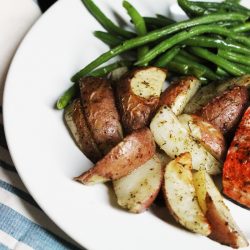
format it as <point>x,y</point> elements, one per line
<point>132,152</point>
<point>236,170</point>
<point>213,140</point>
<point>86,144</point>
<point>100,111</point>
<point>224,111</point>
<point>168,96</point>
<point>220,231</point>
<point>136,112</point>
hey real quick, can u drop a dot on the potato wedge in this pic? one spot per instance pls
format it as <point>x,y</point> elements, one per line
<point>180,196</point>
<point>201,98</point>
<point>210,91</point>
<point>206,134</point>
<point>100,112</point>
<point>174,139</point>
<point>224,111</point>
<point>80,132</point>
<point>179,93</point>
<point>137,191</point>
<point>135,149</point>
<point>138,95</point>
<point>224,229</point>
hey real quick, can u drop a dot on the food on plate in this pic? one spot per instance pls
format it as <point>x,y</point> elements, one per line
<point>206,59</point>
<point>79,129</point>
<point>100,111</point>
<point>206,134</point>
<point>179,93</point>
<point>180,195</point>
<point>137,191</point>
<point>133,151</point>
<point>138,95</point>
<point>236,170</point>
<point>174,139</point>
<point>223,226</point>
<point>224,111</point>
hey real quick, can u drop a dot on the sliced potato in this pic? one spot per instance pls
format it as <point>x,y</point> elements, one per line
<point>225,110</point>
<point>135,149</point>
<point>208,92</point>
<point>180,195</point>
<point>138,95</point>
<point>206,134</point>
<point>137,191</point>
<point>117,74</point>
<point>78,127</point>
<point>174,139</point>
<point>100,112</point>
<point>201,98</point>
<point>224,229</point>
<point>179,93</point>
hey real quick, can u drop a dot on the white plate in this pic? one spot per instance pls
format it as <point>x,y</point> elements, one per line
<point>46,156</point>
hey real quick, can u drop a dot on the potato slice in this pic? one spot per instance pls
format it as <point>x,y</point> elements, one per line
<point>79,129</point>
<point>180,196</point>
<point>206,134</point>
<point>174,139</point>
<point>206,93</point>
<point>100,111</point>
<point>179,93</point>
<point>135,149</point>
<point>225,110</point>
<point>224,229</point>
<point>137,191</point>
<point>138,95</point>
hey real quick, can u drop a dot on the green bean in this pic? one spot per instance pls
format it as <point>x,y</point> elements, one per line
<point>67,96</point>
<point>179,68</point>
<point>153,36</point>
<point>165,17</point>
<point>221,72</point>
<point>158,22</point>
<point>242,27</point>
<point>221,62</point>
<point>109,68</point>
<point>191,8</point>
<point>226,5</point>
<point>208,73</point>
<point>109,39</point>
<point>139,24</point>
<point>182,36</point>
<point>167,57</point>
<point>104,21</point>
<point>191,57</point>
<point>234,57</point>
<point>243,67</point>
<point>209,42</point>
<point>184,69</point>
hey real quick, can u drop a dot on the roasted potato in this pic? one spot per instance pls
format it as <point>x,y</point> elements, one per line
<point>138,95</point>
<point>224,229</point>
<point>135,149</point>
<point>174,139</point>
<point>206,134</point>
<point>180,195</point>
<point>78,127</point>
<point>100,111</point>
<point>179,93</point>
<point>224,111</point>
<point>236,170</point>
<point>137,191</point>
<point>210,91</point>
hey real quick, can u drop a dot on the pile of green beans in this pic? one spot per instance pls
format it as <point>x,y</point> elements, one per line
<point>212,45</point>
